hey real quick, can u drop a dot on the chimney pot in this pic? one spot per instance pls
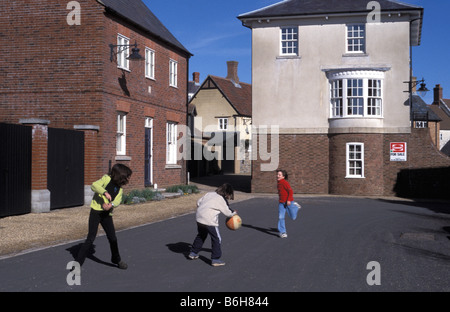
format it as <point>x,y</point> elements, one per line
<point>196,77</point>
<point>438,94</point>
<point>232,71</point>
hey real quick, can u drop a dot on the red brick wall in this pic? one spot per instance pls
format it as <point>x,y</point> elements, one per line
<point>304,157</point>
<point>63,74</point>
<point>317,163</point>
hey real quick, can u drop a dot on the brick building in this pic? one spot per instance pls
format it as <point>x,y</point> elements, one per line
<point>59,70</point>
<point>330,77</point>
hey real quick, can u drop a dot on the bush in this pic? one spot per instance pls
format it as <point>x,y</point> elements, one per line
<point>138,196</point>
<point>184,189</point>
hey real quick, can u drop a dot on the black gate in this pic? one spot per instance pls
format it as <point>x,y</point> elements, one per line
<point>15,170</point>
<point>65,179</point>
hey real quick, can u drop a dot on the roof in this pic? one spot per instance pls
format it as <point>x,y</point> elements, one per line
<point>441,112</point>
<point>136,12</point>
<point>422,111</point>
<point>239,95</point>
<point>297,8</point>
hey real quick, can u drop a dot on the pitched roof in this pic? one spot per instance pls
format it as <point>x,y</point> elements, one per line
<point>239,95</point>
<point>292,8</point>
<point>443,115</point>
<point>137,13</point>
<point>422,111</point>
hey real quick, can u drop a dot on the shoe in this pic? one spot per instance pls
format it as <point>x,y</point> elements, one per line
<point>283,235</point>
<point>193,256</point>
<point>122,265</point>
<point>297,204</point>
<point>217,262</point>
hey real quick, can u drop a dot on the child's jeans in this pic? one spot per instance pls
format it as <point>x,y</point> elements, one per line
<point>282,209</point>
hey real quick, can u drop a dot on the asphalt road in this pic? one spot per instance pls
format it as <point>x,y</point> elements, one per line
<point>328,249</point>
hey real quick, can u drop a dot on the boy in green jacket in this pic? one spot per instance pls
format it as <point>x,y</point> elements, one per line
<point>107,195</point>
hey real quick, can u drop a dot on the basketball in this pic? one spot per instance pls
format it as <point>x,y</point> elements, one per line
<point>234,222</point>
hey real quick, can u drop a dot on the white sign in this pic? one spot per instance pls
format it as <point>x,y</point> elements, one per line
<point>398,151</point>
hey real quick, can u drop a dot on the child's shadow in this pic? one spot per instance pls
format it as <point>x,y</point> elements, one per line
<point>90,255</point>
<point>271,231</point>
<point>185,249</point>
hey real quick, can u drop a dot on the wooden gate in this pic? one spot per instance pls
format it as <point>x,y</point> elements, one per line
<point>65,179</point>
<point>15,170</point>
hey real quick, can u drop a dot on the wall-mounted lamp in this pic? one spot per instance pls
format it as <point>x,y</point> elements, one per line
<point>134,56</point>
<point>422,90</point>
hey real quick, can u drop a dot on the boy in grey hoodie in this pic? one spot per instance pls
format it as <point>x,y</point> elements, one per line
<point>208,209</point>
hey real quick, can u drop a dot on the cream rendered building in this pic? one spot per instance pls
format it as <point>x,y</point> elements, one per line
<point>222,125</point>
<point>331,75</point>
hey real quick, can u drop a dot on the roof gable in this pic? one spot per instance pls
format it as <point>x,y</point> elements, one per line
<point>238,95</point>
<point>136,12</point>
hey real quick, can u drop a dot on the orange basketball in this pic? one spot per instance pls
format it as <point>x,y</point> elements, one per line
<point>234,222</point>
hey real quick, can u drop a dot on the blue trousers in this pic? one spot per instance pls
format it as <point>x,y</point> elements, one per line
<point>203,231</point>
<point>282,209</point>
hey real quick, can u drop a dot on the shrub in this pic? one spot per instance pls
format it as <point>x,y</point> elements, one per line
<point>185,189</point>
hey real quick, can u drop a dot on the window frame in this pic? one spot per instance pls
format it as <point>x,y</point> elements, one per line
<point>173,73</point>
<point>121,134</point>
<point>150,64</point>
<point>294,41</point>
<point>351,161</point>
<point>122,52</point>
<point>171,143</point>
<point>360,40</point>
<point>367,97</point>
<point>223,123</point>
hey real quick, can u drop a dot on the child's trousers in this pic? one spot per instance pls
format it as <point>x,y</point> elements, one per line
<point>103,218</point>
<point>203,231</point>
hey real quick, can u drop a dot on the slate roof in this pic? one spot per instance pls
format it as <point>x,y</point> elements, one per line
<point>422,111</point>
<point>136,12</point>
<point>288,8</point>
<point>310,7</point>
<point>238,95</point>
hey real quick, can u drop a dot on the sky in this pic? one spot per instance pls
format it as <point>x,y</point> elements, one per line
<point>210,30</point>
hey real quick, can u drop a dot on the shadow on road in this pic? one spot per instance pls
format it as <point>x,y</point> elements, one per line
<point>271,231</point>
<point>185,248</point>
<point>76,248</point>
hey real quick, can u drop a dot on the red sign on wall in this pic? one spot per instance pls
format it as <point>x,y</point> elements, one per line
<point>398,151</point>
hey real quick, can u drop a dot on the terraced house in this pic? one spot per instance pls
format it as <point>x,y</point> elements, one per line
<point>331,75</point>
<point>108,69</point>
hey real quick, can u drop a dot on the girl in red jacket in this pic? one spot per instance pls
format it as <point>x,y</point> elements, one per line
<point>285,202</point>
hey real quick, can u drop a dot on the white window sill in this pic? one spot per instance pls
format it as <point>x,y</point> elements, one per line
<point>288,57</point>
<point>355,54</point>
<point>123,158</point>
<point>172,166</point>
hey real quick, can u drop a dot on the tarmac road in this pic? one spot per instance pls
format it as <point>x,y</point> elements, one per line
<point>328,249</point>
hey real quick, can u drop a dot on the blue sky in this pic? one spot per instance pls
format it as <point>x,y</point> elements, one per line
<point>210,30</point>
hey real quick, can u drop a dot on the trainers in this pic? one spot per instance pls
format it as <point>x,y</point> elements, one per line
<point>217,262</point>
<point>297,204</point>
<point>193,256</point>
<point>283,235</point>
<point>122,265</point>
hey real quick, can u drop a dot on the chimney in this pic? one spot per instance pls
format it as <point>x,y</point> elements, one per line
<point>196,77</point>
<point>232,71</point>
<point>437,94</point>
